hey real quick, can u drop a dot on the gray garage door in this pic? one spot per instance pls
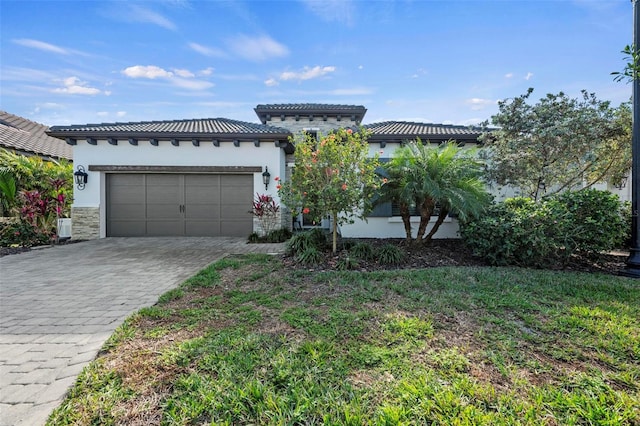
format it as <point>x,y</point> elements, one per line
<point>179,205</point>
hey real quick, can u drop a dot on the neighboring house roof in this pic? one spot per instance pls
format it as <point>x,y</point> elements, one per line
<point>265,112</point>
<point>28,137</point>
<point>186,129</point>
<point>390,131</point>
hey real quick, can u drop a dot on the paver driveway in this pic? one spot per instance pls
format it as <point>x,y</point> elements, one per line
<point>58,305</point>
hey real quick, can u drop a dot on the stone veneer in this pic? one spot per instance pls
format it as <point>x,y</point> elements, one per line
<point>322,126</point>
<point>85,223</point>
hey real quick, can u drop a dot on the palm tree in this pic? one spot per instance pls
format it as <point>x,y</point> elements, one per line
<point>446,176</point>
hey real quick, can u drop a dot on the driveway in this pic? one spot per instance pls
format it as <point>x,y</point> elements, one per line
<point>58,305</point>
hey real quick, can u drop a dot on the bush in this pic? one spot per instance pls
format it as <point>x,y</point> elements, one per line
<point>390,254</point>
<point>315,238</point>
<point>23,234</point>
<point>515,232</point>
<point>594,221</point>
<point>278,235</point>
<point>347,263</point>
<point>521,232</point>
<point>310,256</point>
<point>362,251</point>
<point>275,236</point>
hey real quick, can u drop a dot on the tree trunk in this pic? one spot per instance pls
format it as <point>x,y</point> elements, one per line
<point>334,217</point>
<point>443,214</point>
<point>406,220</point>
<point>426,208</point>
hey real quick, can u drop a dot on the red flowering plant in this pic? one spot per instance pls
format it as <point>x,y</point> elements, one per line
<point>266,210</point>
<point>334,176</point>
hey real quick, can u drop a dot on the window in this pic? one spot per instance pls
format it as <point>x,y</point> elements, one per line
<point>413,210</point>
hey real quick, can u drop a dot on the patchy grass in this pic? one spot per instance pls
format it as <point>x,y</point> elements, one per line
<point>248,341</point>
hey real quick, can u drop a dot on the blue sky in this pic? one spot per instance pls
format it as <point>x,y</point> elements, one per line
<point>77,62</point>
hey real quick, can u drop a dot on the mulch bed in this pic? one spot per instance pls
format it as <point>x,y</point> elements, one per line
<point>453,252</point>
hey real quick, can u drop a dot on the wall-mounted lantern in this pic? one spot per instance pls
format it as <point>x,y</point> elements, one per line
<point>266,177</point>
<point>81,177</point>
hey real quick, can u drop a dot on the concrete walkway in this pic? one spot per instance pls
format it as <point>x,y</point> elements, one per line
<point>59,304</point>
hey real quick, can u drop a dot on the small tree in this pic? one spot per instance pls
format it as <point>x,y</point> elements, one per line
<point>557,144</point>
<point>333,176</point>
<point>446,176</point>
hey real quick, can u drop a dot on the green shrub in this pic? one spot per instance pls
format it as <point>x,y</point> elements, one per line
<point>23,234</point>
<point>389,254</point>
<point>521,232</point>
<point>310,256</point>
<point>347,262</point>
<point>278,235</point>
<point>514,232</point>
<point>275,236</point>
<point>362,250</point>
<point>594,221</point>
<point>315,238</point>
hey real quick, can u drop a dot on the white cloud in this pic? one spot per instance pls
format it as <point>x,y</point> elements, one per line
<point>257,48</point>
<point>478,103</point>
<point>121,113</point>
<point>420,72</point>
<point>183,73</point>
<point>333,10</point>
<point>148,71</point>
<point>207,51</point>
<point>528,76</point>
<point>41,45</point>
<point>102,114</point>
<point>74,86</point>
<point>182,78</point>
<point>141,14</point>
<point>307,73</point>
<point>508,75</point>
<point>191,84</point>
<point>271,82</point>
<point>206,72</point>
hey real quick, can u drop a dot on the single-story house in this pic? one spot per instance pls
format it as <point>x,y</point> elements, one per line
<point>198,177</point>
<point>26,137</point>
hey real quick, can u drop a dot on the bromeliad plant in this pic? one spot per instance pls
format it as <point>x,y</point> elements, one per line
<point>266,210</point>
<point>334,176</point>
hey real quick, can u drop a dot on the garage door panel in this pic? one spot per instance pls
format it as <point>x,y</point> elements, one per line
<point>173,204</point>
<point>120,211</point>
<point>164,193</point>
<point>128,228</point>
<point>165,228</point>
<point>202,211</point>
<point>237,212</point>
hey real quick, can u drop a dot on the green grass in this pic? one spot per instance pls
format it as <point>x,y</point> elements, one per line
<point>247,341</point>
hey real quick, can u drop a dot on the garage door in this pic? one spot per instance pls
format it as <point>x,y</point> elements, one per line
<point>179,205</point>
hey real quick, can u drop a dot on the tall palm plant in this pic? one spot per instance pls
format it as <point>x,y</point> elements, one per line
<point>446,176</point>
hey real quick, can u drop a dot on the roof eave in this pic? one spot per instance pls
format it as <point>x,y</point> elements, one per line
<point>80,134</point>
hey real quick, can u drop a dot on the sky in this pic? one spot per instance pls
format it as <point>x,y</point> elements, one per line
<point>435,61</point>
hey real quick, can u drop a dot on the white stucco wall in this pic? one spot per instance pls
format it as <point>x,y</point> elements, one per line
<point>165,154</point>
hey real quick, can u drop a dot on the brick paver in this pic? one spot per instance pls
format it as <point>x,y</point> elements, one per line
<point>58,305</point>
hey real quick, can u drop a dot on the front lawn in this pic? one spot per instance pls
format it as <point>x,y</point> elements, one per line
<point>250,341</point>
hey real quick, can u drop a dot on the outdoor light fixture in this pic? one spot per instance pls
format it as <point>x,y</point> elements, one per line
<point>266,177</point>
<point>81,177</point>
